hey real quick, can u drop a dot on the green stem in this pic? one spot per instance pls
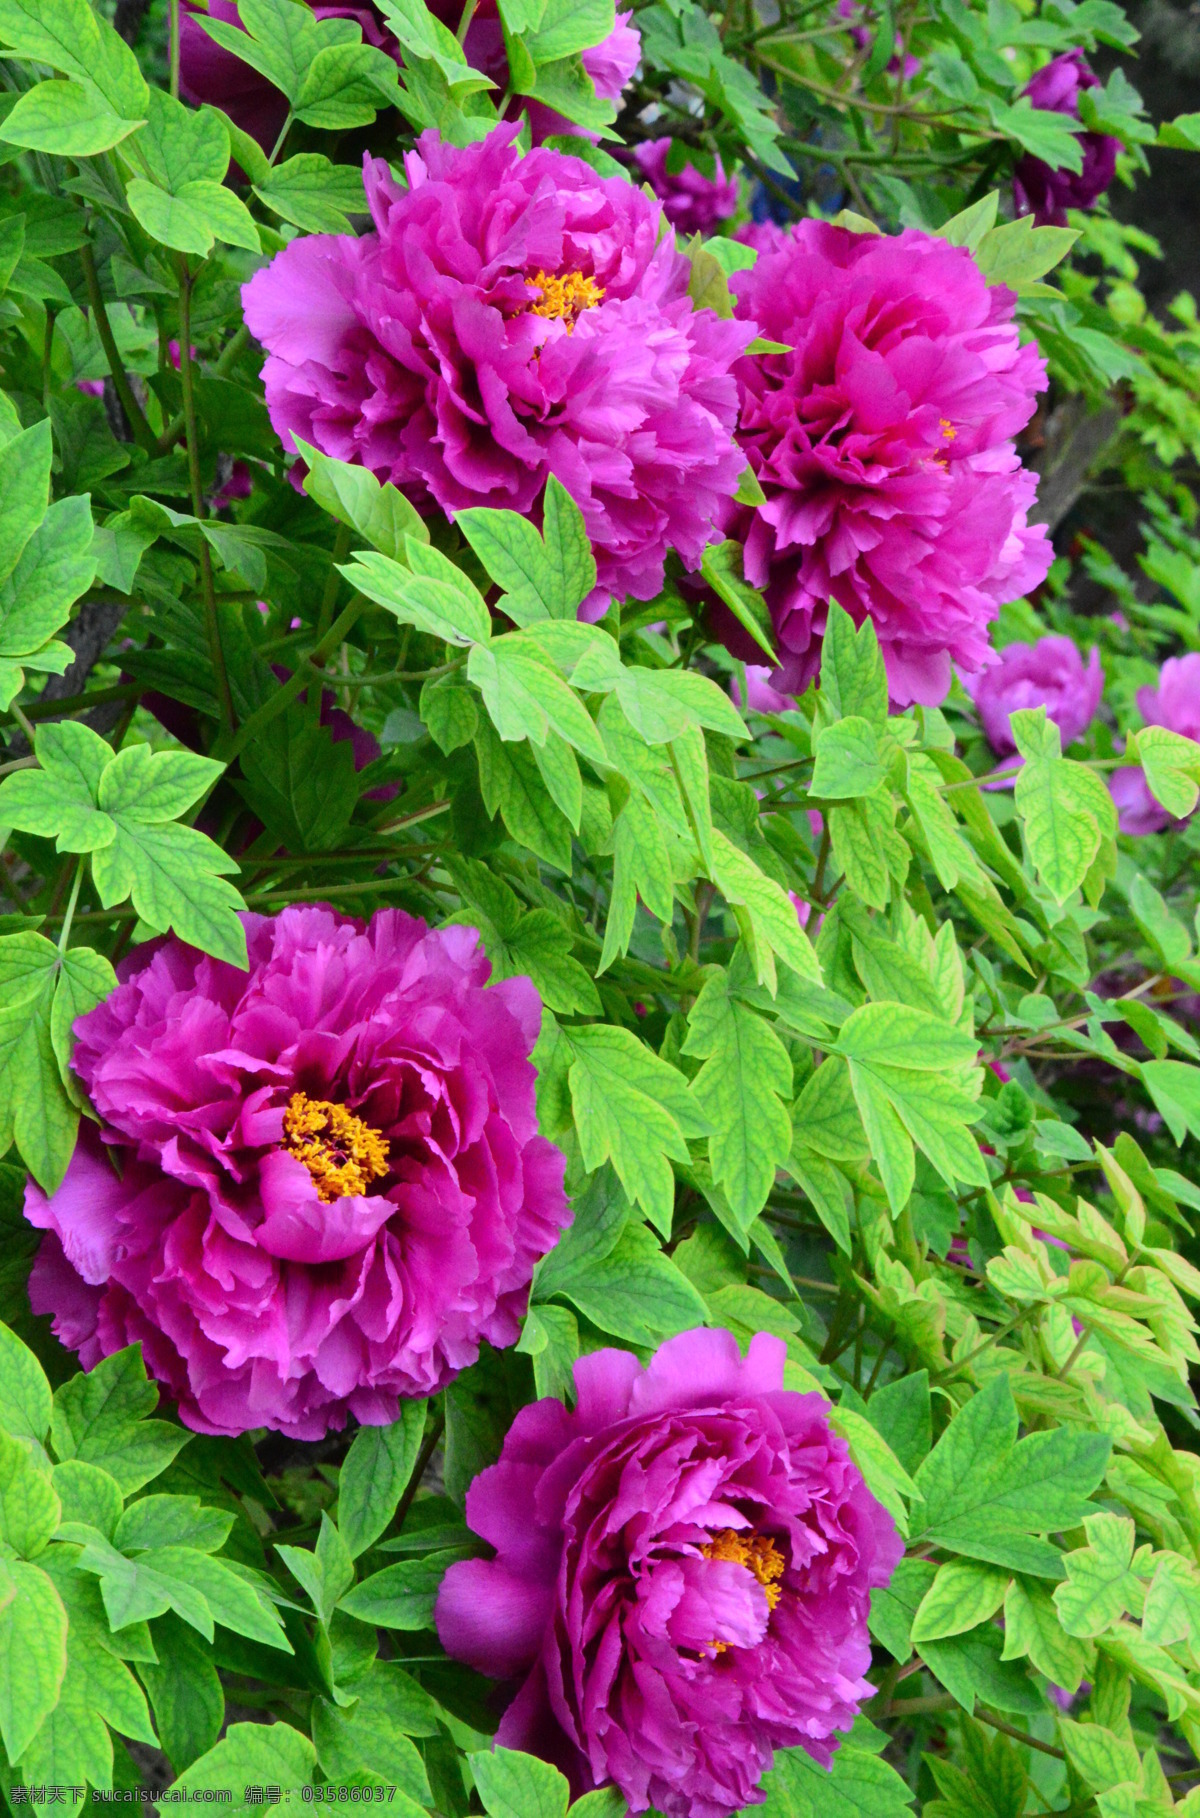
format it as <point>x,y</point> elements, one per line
<point>69,916</point>
<point>464,24</point>
<point>47,355</point>
<point>228,746</point>
<point>143,435</point>
<point>174,32</point>
<point>199,509</point>
<point>228,357</point>
<point>428,1448</point>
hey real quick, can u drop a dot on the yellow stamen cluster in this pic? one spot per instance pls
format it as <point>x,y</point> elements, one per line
<point>566,297</point>
<point>948,430</point>
<point>758,1553</point>
<point>342,1153</point>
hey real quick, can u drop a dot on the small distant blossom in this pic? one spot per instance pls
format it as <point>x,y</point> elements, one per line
<point>692,202</point>
<point>1175,704</point>
<point>883,443</point>
<point>682,1576</point>
<point>316,1186</point>
<point>1050,674</point>
<point>1038,188</point>
<point>512,317</point>
<point>610,64</point>
<point>863,36</point>
<point>760,696</point>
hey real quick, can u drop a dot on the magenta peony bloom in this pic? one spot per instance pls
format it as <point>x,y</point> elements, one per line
<point>761,236</point>
<point>513,317</point>
<point>883,444</point>
<point>760,696</point>
<point>330,1185</point>
<point>692,202</point>
<point>1175,704</point>
<point>682,1573</point>
<point>1045,193</point>
<point>1049,674</point>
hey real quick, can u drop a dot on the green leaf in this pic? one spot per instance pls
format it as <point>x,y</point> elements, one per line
<point>894,1605</point>
<point>100,1417</point>
<point>988,1493</point>
<point>722,565</point>
<point>66,120</point>
<point>853,679</point>
<point>662,704</point>
<point>24,1392</point>
<point>35,1110</point>
<point>29,1509</point>
<point>858,1785</point>
<point>512,1785</point>
<point>641,869</point>
<point>885,1476</point>
<point>402,1596</point>
<point>1052,137</point>
<point>526,699</point>
<point>326,1572</point>
<point>448,708</point>
<point>249,1757</point>
<point>172,874</point>
<point>848,763</point>
<point>1100,1584</point>
<point>378,512</point>
<point>632,1291</point>
<point>185,1692</point>
<point>344,86</point>
<point>1017,253</point>
<point>87,1495</point>
<point>970,1666</point>
<point>1175,1088</point>
<point>1066,809</point>
<point>167,1520</point>
<point>375,1738</point>
<point>33,1651</point>
<point>374,1476</point>
<point>540,579</point>
<point>1032,1627</point>
<point>24,483</point>
<point>512,784</point>
<point>765,914</point>
<point>741,1091</point>
<point>54,568</point>
<point>1171,764</point>
<point>634,1110</point>
<point>314,195</point>
<point>445,605</point>
<point>193,217</point>
<point>85,979</point>
<point>71,37</point>
<point>300,781</point>
<point>962,1596</point>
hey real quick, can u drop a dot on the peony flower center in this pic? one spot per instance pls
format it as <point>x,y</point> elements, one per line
<point>948,430</point>
<point>342,1153</point>
<point>565,297</point>
<point>759,1554</point>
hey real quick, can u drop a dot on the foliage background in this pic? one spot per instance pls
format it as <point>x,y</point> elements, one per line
<point>764,1131</point>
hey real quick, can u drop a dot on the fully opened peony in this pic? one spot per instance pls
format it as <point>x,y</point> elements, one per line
<point>326,1184</point>
<point>512,317</point>
<point>682,1573</point>
<point>1175,704</point>
<point>882,441</point>
<point>1038,188</point>
<point>1050,674</point>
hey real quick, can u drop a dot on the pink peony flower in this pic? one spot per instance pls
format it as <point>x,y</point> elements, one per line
<point>511,318</point>
<point>762,236</point>
<point>330,1184</point>
<point>682,1574</point>
<point>1040,190</point>
<point>760,696</point>
<point>883,444</point>
<point>1049,674</point>
<point>692,202</point>
<point>1175,704</point>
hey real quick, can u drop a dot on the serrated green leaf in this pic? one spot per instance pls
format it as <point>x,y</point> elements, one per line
<point>513,1785</point>
<point>741,1091</point>
<point>374,1475</point>
<point>33,1653</point>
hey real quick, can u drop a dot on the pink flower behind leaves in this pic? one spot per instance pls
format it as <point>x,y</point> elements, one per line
<point>682,1575</point>
<point>331,1185</point>
<point>512,317</point>
<point>1175,704</point>
<point>692,202</point>
<point>883,442</point>
<point>1050,674</point>
<point>1038,188</point>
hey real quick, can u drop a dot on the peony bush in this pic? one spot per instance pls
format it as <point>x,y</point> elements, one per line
<point>599,999</point>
